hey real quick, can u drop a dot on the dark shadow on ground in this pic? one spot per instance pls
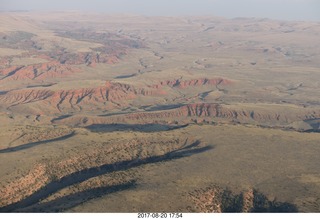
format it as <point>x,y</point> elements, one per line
<point>224,200</point>
<point>86,174</point>
<point>312,131</point>
<point>41,85</point>
<point>67,202</point>
<point>315,124</point>
<point>163,107</point>
<point>126,76</point>
<point>133,127</point>
<point>114,114</point>
<point>34,144</point>
<point>148,108</point>
<point>60,118</point>
<point>262,204</point>
<point>234,204</point>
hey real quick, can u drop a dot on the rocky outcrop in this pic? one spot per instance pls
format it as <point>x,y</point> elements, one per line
<point>201,113</point>
<point>6,72</point>
<point>68,99</point>
<point>230,113</point>
<point>60,64</point>
<point>50,176</point>
<point>25,96</point>
<point>24,186</point>
<point>99,55</point>
<point>181,84</point>
<point>37,71</point>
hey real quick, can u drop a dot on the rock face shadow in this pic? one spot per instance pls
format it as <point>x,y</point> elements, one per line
<point>69,201</point>
<point>223,200</point>
<point>34,144</point>
<point>133,127</point>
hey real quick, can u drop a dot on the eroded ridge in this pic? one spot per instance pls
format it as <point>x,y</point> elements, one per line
<point>47,178</point>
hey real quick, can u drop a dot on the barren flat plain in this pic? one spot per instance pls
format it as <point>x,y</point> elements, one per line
<point>128,113</point>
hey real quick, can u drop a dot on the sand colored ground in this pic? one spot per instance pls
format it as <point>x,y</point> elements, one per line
<point>114,113</point>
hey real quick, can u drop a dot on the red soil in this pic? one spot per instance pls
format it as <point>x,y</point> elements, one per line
<point>37,71</point>
<point>112,92</point>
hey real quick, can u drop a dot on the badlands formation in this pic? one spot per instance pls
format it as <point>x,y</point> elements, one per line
<point>104,113</point>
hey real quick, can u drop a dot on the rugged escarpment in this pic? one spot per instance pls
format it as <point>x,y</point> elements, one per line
<point>211,112</point>
<point>50,176</point>
<point>204,113</point>
<point>179,83</point>
<point>57,63</point>
<point>37,72</point>
<point>69,99</point>
<point>94,98</point>
<point>59,60</point>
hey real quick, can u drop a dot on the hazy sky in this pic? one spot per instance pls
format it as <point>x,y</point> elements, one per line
<point>277,9</point>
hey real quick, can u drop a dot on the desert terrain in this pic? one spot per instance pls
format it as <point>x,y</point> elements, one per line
<point>125,113</point>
